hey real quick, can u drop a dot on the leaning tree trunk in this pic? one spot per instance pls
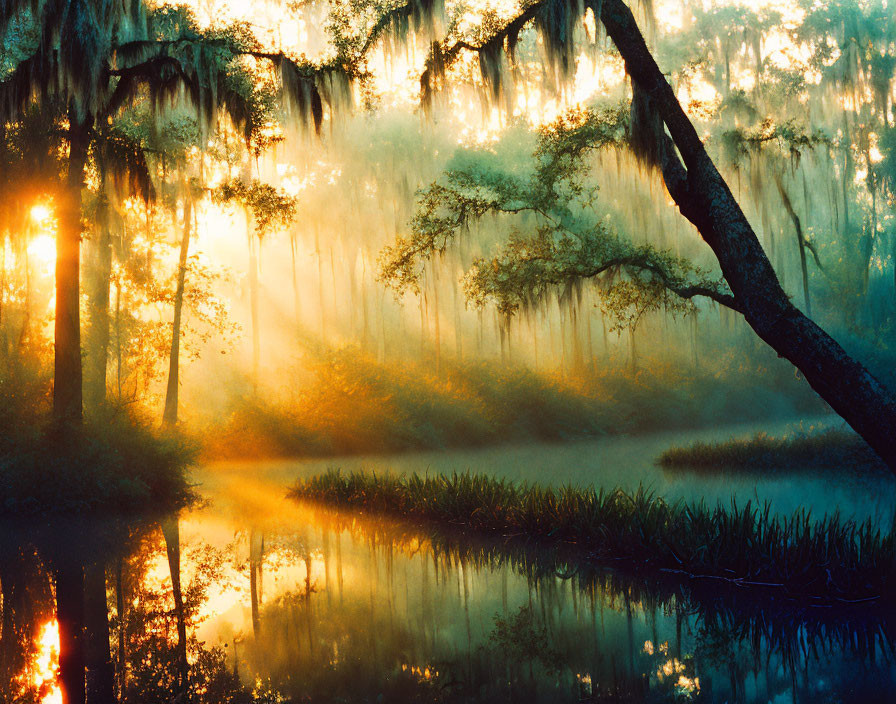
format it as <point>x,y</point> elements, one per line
<point>67,368</point>
<point>705,199</point>
<point>169,417</point>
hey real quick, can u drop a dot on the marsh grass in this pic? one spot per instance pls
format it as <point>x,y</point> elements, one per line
<point>830,450</point>
<point>823,561</point>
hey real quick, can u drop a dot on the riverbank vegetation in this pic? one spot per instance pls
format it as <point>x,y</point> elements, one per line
<point>117,464</point>
<point>347,403</point>
<point>831,450</point>
<point>825,560</point>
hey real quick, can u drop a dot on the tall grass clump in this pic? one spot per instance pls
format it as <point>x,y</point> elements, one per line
<point>831,449</point>
<point>827,560</point>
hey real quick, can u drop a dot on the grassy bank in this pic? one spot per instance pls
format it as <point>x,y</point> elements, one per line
<point>825,561</point>
<point>831,449</point>
<point>118,462</point>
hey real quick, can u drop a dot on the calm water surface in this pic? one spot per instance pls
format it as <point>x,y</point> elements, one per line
<point>325,606</point>
<point>292,603</point>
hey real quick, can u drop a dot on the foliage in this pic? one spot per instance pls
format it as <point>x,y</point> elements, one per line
<point>117,465</point>
<point>520,642</point>
<point>149,623</point>
<point>568,239</point>
<point>349,403</point>
<point>788,139</point>
<point>634,280</point>
<point>271,208</point>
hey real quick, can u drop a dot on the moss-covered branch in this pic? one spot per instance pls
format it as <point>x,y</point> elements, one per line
<point>564,238</point>
<point>640,277</point>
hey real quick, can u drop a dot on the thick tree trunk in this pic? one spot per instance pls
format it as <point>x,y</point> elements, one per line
<point>69,576</point>
<point>169,417</point>
<point>67,369</point>
<point>705,199</point>
<point>100,672</point>
<point>171,531</point>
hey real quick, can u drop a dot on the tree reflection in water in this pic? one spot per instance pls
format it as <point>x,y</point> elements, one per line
<point>349,609</point>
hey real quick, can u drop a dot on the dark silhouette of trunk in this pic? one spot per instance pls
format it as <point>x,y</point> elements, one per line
<point>122,630</point>
<point>67,368</point>
<point>705,199</point>
<point>171,531</point>
<point>98,651</point>
<point>98,332</point>
<point>69,577</point>
<point>169,418</point>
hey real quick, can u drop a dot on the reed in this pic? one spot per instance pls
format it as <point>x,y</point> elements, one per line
<point>745,547</point>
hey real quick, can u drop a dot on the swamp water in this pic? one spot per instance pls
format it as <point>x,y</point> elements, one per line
<point>286,602</point>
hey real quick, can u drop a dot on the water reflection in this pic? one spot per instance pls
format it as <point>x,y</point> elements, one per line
<point>257,599</point>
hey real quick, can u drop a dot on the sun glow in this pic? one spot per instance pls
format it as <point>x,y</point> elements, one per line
<point>46,665</point>
<point>42,251</point>
<point>41,213</point>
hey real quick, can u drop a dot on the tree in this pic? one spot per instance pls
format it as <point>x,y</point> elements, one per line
<point>565,234</point>
<point>266,208</point>
<point>94,62</point>
<point>663,136</point>
<point>775,149</point>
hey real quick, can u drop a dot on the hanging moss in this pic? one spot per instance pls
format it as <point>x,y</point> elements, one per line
<point>647,129</point>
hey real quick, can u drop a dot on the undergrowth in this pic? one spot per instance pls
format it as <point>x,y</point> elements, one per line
<point>116,463</point>
<point>349,403</point>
